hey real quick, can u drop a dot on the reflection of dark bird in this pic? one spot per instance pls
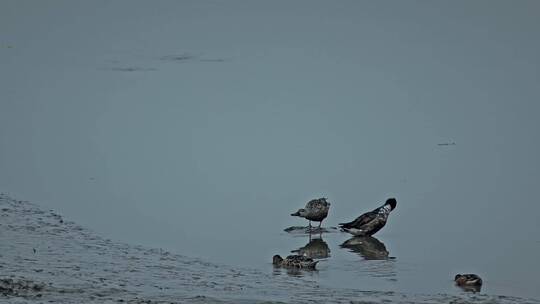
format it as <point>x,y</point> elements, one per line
<point>369,223</point>
<point>367,247</point>
<point>315,249</point>
<point>316,210</point>
<point>294,261</point>
<point>468,282</point>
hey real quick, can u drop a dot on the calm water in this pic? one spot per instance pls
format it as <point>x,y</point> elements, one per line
<point>199,127</point>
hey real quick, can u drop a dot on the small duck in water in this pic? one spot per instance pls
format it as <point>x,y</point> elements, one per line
<point>469,282</point>
<point>369,223</point>
<point>316,210</point>
<point>294,261</point>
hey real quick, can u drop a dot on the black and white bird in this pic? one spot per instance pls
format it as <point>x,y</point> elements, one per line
<point>316,210</point>
<point>369,223</point>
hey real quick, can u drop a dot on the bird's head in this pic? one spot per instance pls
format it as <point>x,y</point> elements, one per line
<point>300,212</point>
<point>277,259</point>
<point>392,202</point>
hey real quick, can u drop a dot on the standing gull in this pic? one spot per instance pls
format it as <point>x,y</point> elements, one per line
<point>316,210</point>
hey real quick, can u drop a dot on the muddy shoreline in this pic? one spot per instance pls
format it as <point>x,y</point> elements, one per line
<point>46,258</point>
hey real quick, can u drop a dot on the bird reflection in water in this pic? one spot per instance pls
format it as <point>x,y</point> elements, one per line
<point>315,249</point>
<point>472,289</point>
<point>377,263</point>
<point>295,272</point>
<point>367,247</point>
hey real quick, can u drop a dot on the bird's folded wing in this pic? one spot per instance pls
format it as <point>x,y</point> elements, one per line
<point>361,220</point>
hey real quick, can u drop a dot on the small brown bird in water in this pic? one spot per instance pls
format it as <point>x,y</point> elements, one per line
<point>294,261</point>
<point>469,282</point>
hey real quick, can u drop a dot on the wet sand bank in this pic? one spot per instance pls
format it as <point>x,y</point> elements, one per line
<point>46,258</point>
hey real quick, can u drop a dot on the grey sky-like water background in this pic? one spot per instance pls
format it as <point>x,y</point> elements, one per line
<point>198,127</point>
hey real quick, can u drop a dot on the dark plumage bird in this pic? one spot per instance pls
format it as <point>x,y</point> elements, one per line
<point>369,223</point>
<point>294,261</point>
<point>316,210</point>
<point>468,280</point>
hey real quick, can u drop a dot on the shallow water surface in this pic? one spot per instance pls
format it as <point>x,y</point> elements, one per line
<point>47,258</point>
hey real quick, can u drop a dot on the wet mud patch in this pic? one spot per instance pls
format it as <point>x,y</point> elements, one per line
<point>130,69</point>
<point>13,287</point>
<point>188,57</point>
<point>301,230</point>
<point>180,57</point>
